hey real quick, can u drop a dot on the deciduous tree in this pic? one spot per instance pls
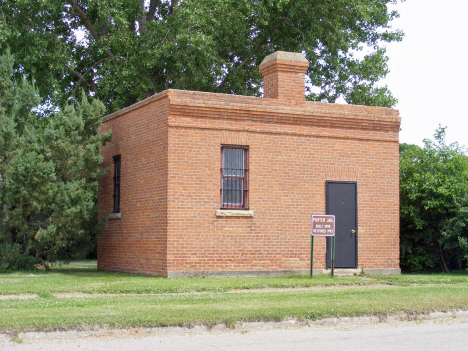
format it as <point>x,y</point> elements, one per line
<point>433,204</point>
<point>122,51</point>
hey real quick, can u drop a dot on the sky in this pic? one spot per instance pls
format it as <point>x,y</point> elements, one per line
<point>429,69</point>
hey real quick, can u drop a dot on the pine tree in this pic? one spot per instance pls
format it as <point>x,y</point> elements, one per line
<point>49,171</point>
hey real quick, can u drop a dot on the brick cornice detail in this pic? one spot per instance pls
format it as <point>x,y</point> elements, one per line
<point>137,105</point>
<point>283,66</point>
<point>234,107</point>
<point>292,115</point>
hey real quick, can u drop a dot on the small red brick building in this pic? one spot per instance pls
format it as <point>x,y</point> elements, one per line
<point>214,184</point>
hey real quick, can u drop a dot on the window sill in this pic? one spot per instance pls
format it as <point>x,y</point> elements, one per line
<point>233,213</point>
<point>115,215</point>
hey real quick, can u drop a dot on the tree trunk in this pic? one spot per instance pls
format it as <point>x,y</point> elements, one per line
<point>442,260</point>
<point>5,225</point>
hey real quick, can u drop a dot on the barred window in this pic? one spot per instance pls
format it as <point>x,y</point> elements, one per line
<point>234,177</point>
<point>116,184</point>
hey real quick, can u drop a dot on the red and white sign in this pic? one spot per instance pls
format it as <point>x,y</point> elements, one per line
<point>323,225</point>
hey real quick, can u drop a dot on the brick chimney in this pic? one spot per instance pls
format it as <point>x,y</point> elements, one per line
<point>283,75</point>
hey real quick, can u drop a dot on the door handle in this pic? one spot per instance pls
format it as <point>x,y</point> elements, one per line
<point>353,231</point>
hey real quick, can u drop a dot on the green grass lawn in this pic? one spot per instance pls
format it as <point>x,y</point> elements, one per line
<point>86,279</point>
<point>132,300</point>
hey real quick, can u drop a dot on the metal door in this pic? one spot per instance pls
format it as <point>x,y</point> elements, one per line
<point>341,201</point>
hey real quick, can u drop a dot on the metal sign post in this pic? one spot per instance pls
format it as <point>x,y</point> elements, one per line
<point>311,256</point>
<point>333,257</point>
<point>322,225</point>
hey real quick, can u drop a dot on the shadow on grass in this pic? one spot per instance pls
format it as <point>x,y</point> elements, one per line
<point>89,268</point>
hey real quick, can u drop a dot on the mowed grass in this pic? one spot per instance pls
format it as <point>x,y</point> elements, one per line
<point>126,300</point>
<point>86,279</point>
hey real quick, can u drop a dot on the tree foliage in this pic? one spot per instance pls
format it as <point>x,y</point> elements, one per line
<point>49,170</point>
<point>433,204</point>
<point>132,49</point>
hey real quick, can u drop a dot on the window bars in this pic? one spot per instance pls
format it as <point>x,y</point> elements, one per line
<point>234,177</point>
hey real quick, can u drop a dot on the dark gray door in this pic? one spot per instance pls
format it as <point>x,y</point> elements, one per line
<point>341,201</point>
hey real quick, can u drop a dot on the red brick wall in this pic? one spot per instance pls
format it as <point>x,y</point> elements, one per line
<point>170,183</point>
<point>287,185</point>
<point>137,241</point>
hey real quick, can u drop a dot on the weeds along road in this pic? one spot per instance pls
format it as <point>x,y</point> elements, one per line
<point>448,334</point>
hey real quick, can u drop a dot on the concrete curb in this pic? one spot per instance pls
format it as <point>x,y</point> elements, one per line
<point>62,336</point>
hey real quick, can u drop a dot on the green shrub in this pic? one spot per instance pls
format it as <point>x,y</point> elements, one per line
<point>11,258</point>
